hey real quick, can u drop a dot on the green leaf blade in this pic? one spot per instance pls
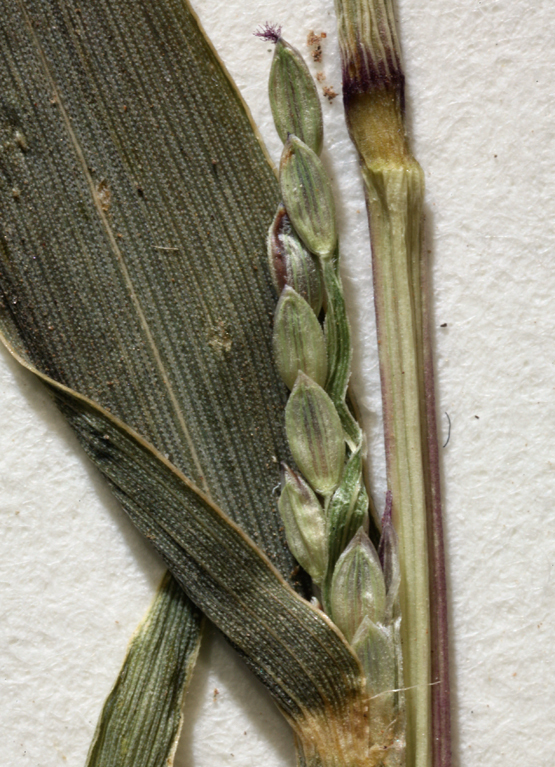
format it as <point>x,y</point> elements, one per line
<point>133,264</point>
<point>291,646</point>
<point>141,719</point>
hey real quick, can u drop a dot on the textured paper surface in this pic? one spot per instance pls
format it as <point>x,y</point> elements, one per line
<point>75,576</point>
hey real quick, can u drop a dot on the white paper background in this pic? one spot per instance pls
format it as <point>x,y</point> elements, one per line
<point>75,576</point>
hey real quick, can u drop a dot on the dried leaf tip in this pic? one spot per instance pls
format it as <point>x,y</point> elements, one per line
<point>271,33</point>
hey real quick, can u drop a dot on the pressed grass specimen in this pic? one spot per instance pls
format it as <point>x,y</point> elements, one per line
<point>143,301</point>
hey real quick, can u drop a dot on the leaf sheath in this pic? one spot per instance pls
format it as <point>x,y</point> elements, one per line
<point>373,87</point>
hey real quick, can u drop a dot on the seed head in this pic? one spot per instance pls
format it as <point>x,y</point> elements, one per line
<point>305,524</point>
<point>299,343</point>
<point>294,98</point>
<point>315,435</point>
<point>358,588</point>
<point>307,195</point>
<point>374,647</point>
<point>291,263</point>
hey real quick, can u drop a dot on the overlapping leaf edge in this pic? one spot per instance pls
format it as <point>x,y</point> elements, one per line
<point>293,647</point>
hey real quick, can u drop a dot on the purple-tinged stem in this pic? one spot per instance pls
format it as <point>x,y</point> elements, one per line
<point>439,608</point>
<point>373,86</point>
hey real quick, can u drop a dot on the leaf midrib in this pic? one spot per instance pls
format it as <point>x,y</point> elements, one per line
<point>116,250</point>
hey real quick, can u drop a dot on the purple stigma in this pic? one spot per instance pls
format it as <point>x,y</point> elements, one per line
<point>269,32</point>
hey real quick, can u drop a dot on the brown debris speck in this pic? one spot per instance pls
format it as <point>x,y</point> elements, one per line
<point>21,141</point>
<point>314,42</point>
<point>104,195</point>
<point>219,339</point>
<point>329,93</point>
